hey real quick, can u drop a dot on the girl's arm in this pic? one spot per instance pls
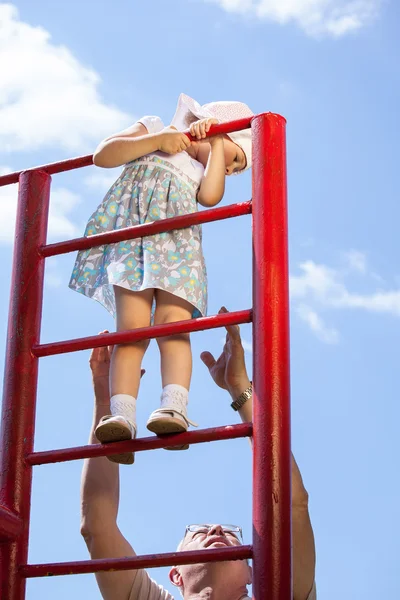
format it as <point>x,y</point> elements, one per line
<point>212,186</point>
<point>136,141</point>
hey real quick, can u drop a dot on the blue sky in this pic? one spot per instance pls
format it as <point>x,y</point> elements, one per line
<point>70,76</point>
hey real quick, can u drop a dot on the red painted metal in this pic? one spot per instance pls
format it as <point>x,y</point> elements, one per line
<point>10,525</point>
<point>228,127</point>
<point>138,231</point>
<point>52,168</point>
<point>272,573</point>
<point>148,561</point>
<point>271,548</point>
<point>21,372</point>
<point>144,333</point>
<point>85,161</point>
<point>213,434</point>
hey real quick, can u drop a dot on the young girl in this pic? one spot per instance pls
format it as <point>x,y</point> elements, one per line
<point>165,175</point>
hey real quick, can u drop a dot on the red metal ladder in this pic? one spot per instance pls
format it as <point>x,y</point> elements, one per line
<point>271,547</point>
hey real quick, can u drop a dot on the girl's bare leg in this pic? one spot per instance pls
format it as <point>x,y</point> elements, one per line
<point>176,369</point>
<point>133,311</point>
<point>175,350</point>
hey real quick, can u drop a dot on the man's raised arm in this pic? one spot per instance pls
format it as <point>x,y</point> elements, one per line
<point>100,495</point>
<point>229,372</point>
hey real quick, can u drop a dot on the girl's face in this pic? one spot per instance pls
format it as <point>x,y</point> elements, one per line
<point>235,158</point>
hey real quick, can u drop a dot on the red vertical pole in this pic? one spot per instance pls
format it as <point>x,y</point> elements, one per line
<point>21,372</point>
<point>272,556</point>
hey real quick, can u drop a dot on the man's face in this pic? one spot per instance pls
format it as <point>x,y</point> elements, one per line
<point>234,575</point>
<point>212,537</point>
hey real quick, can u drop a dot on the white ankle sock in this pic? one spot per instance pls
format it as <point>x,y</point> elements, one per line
<point>124,405</point>
<point>175,396</point>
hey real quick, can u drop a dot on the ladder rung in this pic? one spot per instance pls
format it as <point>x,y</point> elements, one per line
<point>58,167</point>
<point>84,161</point>
<point>213,434</point>
<point>146,561</point>
<point>145,229</point>
<point>10,524</point>
<point>144,333</point>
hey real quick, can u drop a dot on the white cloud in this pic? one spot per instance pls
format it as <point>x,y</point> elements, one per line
<point>318,281</point>
<point>247,346</point>
<point>47,97</point>
<point>52,280</point>
<point>325,286</point>
<point>62,203</point>
<point>52,276</point>
<point>101,179</point>
<point>316,17</point>
<point>329,335</point>
<point>357,261</point>
<point>240,6</point>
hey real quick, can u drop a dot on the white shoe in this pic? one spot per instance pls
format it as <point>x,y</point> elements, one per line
<point>168,420</point>
<point>116,429</point>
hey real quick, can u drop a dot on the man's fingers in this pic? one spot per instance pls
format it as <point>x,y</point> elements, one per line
<point>105,351</point>
<point>99,354</point>
<point>208,359</point>
<point>233,331</point>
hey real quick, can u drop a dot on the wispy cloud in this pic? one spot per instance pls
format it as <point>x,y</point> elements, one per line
<point>356,261</point>
<point>248,346</point>
<point>62,204</point>
<point>319,288</point>
<point>329,335</point>
<point>47,97</point>
<point>101,180</point>
<point>325,286</point>
<point>334,18</point>
<point>52,277</point>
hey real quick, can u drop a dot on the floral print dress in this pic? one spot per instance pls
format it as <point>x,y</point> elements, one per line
<point>153,187</point>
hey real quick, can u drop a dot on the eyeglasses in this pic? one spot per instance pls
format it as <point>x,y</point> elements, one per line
<point>234,529</point>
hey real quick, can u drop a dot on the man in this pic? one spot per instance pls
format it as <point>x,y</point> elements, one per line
<point>208,581</point>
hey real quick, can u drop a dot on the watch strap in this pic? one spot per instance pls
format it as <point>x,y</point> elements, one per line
<point>242,399</point>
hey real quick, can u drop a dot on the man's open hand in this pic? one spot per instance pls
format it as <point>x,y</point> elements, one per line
<point>229,370</point>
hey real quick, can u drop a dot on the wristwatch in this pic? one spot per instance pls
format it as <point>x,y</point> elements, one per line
<point>242,399</point>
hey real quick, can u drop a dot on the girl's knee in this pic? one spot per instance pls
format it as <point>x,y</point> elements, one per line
<point>170,308</point>
<point>171,315</point>
<point>140,346</point>
<point>178,337</point>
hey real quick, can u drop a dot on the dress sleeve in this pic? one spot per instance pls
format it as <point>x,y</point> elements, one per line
<point>152,124</point>
<point>145,588</point>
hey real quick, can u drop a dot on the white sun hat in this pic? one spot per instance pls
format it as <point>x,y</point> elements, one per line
<point>225,110</point>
